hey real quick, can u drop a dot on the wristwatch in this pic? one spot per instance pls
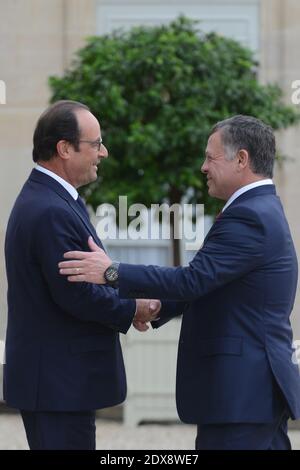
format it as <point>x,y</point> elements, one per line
<point>111,274</point>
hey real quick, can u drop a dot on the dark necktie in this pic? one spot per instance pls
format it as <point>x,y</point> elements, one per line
<point>83,208</point>
<point>84,212</point>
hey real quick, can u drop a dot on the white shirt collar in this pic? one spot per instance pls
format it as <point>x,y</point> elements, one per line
<point>68,187</point>
<point>244,189</point>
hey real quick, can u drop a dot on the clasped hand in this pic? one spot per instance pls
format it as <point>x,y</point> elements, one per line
<point>84,266</point>
<point>146,311</point>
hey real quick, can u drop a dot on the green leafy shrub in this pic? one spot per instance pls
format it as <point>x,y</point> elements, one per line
<point>157,91</point>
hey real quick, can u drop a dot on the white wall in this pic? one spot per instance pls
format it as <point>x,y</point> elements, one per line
<point>238,19</point>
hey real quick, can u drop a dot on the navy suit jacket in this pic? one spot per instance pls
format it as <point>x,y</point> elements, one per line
<point>236,296</point>
<point>62,344</point>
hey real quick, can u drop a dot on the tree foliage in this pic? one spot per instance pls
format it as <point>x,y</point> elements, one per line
<point>156,92</point>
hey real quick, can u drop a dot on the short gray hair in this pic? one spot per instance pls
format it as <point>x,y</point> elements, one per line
<point>248,133</point>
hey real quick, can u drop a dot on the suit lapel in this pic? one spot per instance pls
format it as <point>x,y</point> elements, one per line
<point>214,225</point>
<point>76,208</point>
<point>42,178</point>
<point>258,191</point>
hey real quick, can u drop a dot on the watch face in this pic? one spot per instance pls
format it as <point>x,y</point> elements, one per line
<point>112,274</point>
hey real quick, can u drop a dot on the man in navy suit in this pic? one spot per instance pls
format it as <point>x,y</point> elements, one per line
<point>235,376</point>
<point>63,354</point>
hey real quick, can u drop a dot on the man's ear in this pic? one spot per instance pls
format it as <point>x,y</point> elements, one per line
<point>242,159</point>
<point>63,149</point>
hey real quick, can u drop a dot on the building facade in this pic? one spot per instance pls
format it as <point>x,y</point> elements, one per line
<point>38,39</point>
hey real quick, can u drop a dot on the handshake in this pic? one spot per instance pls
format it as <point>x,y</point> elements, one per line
<point>90,267</point>
<point>146,310</point>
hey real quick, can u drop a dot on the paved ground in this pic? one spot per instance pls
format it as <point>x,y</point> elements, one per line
<point>112,435</point>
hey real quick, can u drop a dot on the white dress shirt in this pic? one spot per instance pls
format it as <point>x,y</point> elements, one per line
<point>246,188</point>
<point>68,187</point>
